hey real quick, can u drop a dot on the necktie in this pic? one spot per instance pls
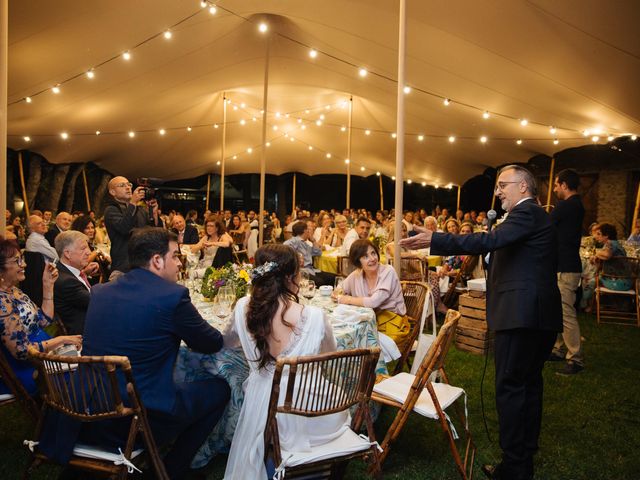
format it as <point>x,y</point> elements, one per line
<point>84,278</point>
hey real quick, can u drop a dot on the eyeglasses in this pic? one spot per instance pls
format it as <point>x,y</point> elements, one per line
<point>123,184</point>
<point>502,185</point>
<point>18,261</point>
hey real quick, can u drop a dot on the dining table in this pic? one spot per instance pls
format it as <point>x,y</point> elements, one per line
<point>353,327</point>
<point>328,261</point>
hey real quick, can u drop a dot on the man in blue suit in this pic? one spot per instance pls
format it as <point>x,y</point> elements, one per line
<point>144,315</point>
<point>523,308</point>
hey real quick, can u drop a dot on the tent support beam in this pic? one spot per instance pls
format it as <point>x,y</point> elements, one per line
<point>402,37</point>
<point>553,164</point>
<point>222,153</point>
<point>458,204</point>
<point>206,207</point>
<point>293,196</point>
<point>4,42</point>
<point>86,188</point>
<point>381,194</point>
<point>636,210</point>
<point>349,153</point>
<point>263,155</point>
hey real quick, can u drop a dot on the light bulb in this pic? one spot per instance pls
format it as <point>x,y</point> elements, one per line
<point>328,107</point>
<point>26,138</point>
<point>313,53</point>
<point>328,155</point>
<point>363,72</point>
<point>212,10</point>
<point>519,141</point>
<point>409,182</point>
<point>585,133</point>
<point>277,114</point>
<point>189,129</point>
<point>286,135</point>
<point>263,27</point>
<point>91,74</point>
<point>28,99</point>
<point>452,139</point>
<point>446,102</point>
<point>552,130</point>
<point>249,150</point>
<point>291,139</point>
<point>483,139</point>
<point>424,184</point>
<point>420,138</point>
<point>275,128</point>
<point>394,135</point>
<point>555,141</point>
<point>347,161</point>
<point>595,138</point>
<point>436,186</point>
<point>303,127</point>
<point>377,174</point>
<point>362,169</point>
<point>243,121</point>
<point>634,137</point>
<point>64,135</point>
<point>126,56</point>
<point>310,147</point>
<point>235,107</point>
<point>167,34</point>
<point>254,119</point>
<point>485,115</point>
<point>56,89</point>
<point>268,144</point>
<point>322,116</point>
<point>524,122</point>
<point>450,186</point>
<point>407,90</point>
<point>318,122</point>
<point>306,111</point>
<point>367,132</point>
<point>299,120</point>
<point>235,157</point>
<point>162,131</point>
<point>610,138</point>
<point>203,4</point>
<point>98,132</point>
<point>343,129</point>
<point>243,105</point>
<point>218,162</point>
<point>132,134</point>
<point>393,178</point>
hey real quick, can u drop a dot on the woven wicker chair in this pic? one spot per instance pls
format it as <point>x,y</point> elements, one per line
<point>411,268</point>
<point>86,389</point>
<point>450,298</point>
<point>415,393</point>
<point>345,267</point>
<point>348,378</point>
<point>415,295</point>
<point>18,393</point>
<point>631,268</point>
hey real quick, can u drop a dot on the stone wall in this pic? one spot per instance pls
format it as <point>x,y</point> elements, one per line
<point>613,191</point>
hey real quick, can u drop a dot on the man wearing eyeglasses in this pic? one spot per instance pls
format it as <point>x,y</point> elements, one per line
<point>523,309</point>
<point>121,215</point>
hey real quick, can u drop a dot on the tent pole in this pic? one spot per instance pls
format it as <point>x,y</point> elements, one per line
<point>206,207</point>
<point>4,40</point>
<point>381,194</point>
<point>493,193</point>
<point>458,204</point>
<point>402,36</point>
<point>86,188</point>
<point>636,210</point>
<point>263,156</point>
<point>222,153</point>
<point>293,195</point>
<point>553,164</point>
<point>24,190</point>
<point>349,153</point>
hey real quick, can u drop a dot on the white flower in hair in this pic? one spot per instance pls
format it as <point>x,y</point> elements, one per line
<point>263,270</point>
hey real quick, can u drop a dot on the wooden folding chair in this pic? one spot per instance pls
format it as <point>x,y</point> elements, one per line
<point>86,389</point>
<point>339,380</point>
<point>630,268</point>
<point>18,393</point>
<point>239,251</point>
<point>415,295</point>
<point>450,298</point>
<point>415,393</point>
<point>411,268</point>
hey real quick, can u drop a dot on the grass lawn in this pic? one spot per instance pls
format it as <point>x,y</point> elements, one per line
<point>591,427</point>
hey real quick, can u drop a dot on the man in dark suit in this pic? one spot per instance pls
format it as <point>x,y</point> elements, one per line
<point>72,291</point>
<point>187,234</point>
<point>523,308</point>
<point>63,223</point>
<point>145,315</point>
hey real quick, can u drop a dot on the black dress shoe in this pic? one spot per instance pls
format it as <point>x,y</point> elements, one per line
<point>496,472</point>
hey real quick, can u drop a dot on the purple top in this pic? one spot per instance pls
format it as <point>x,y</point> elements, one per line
<point>386,295</point>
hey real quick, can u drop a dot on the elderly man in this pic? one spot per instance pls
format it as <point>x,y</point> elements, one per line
<point>523,308</point>
<point>145,316</point>
<point>72,290</point>
<point>36,242</point>
<point>359,232</point>
<point>187,234</point>
<point>63,223</point>
<point>121,215</point>
<point>302,235</point>
<point>430,223</point>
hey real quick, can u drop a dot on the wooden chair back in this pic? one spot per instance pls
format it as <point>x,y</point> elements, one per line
<point>435,358</point>
<point>345,267</point>
<point>465,270</point>
<point>18,392</point>
<point>339,380</point>
<point>87,389</point>
<point>618,269</point>
<point>415,295</point>
<point>411,268</point>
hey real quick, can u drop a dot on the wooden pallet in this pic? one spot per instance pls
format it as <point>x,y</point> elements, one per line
<point>472,334</point>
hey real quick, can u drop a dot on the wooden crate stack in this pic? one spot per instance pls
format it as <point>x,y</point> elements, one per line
<point>472,334</point>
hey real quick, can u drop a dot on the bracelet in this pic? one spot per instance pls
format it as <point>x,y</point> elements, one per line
<point>40,347</point>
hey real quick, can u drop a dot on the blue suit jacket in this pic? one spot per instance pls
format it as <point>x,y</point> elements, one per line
<point>144,317</point>
<point>522,285</point>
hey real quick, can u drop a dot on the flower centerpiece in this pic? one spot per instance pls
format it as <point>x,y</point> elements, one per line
<point>236,276</point>
<point>380,241</point>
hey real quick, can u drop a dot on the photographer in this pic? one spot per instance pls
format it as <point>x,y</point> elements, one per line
<point>121,215</point>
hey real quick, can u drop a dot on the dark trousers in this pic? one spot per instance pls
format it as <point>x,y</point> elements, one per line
<point>519,358</point>
<point>199,406</point>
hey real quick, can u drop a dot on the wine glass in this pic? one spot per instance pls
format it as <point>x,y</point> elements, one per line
<point>337,286</point>
<point>310,290</point>
<point>223,301</point>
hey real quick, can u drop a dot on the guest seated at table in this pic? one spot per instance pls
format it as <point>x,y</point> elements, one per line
<point>302,235</point>
<point>359,232</point>
<point>144,316</point>
<point>634,238</point>
<point>323,232</point>
<point>21,321</point>
<point>36,242</point>
<point>99,264</point>
<point>187,234</point>
<point>214,246</point>
<point>271,324</point>
<point>376,286</point>
<point>338,234</point>
<point>606,235</point>
<point>452,226</point>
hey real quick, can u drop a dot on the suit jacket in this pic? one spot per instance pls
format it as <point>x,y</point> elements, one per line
<point>190,235</point>
<point>144,317</point>
<point>52,234</point>
<point>522,288</point>
<point>71,299</point>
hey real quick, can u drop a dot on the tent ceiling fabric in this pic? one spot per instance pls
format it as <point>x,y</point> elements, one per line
<point>572,64</point>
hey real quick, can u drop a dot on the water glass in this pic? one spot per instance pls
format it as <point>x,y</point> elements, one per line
<point>310,290</point>
<point>337,286</point>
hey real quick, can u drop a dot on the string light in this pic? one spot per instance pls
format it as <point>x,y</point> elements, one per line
<point>126,55</point>
<point>556,141</point>
<point>313,53</point>
<point>203,4</point>
<point>318,122</point>
<point>362,169</point>
<point>367,132</point>
<point>322,116</point>
<point>235,157</point>
<point>243,105</point>
<point>162,131</point>
<point>524,122</point>
<point>346,160</point>
<point>452,139</point>
<point>377,174</point>
<point>275,128</point>
<point>585,133</point>
<point>268,144</point>
<point>310,147</point>
<point>91,74</point>
<point>263,27</point>
<point>483,139</point>
<point>218,162</point>
<point>64,135</point>
<point>363,72</point>
<point>56,89</point>
<point>328,155</point>
<point>420,138</point>
<point>303,127</point>
<point>394,135</point>
<point>212,10</point>
<point>485,115</point>
<point>98,132</point>
<point>215,125</point>
<point>243,122</point>
<point>132,134</point>
<point>28,99</point>
<point>167,34</point>
<point>552,130</point>
<point>519,141</point>
<point>343,129</point>
<point>634,137</point>
<point>446,102</point>
<point>409,181</point>
<point>407,90</point>
<point>277,114</point>
<point>26,138</point>
<point>189,129</point>
<point>393,178</point>
<point>249,150</point>
<point>595,138</point>
<point>610,138</point>
<point>424,184</point>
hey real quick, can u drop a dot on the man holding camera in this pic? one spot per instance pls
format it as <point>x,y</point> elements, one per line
<point>121,215</point>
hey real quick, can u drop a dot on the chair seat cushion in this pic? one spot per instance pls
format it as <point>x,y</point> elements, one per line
<point>6,396</point>
<point>96,453</point>
<point>397,388</point>
<point>346,444</point>
<point>619,292</point>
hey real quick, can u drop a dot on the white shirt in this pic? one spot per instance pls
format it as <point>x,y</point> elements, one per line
<point>37,243</point>
<point>76,273</point>
<point>408,225</point>
<point>349,238</point>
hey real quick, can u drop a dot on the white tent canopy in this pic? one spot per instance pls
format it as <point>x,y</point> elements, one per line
<point>574,65</point>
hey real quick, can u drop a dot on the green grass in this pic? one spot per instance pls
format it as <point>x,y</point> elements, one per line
<point>591,427</point>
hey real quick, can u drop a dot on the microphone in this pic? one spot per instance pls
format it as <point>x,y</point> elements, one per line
<point>491,216</point>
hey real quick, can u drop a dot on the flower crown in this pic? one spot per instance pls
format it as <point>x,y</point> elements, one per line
<point>263,269</point>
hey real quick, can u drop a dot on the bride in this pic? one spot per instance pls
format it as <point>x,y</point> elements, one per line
<point>271,324</point>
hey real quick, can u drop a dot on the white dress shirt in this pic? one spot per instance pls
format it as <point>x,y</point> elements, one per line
<point>37,243</point>
<point>76,273</point>
<point>349,238</point>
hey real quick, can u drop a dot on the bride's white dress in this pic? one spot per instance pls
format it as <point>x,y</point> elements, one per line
<point>312,335</point>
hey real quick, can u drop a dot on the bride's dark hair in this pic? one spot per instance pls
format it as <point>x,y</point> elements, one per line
<point>267,291</point>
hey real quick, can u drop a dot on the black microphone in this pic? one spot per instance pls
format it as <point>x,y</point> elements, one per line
<point>491,216</point>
